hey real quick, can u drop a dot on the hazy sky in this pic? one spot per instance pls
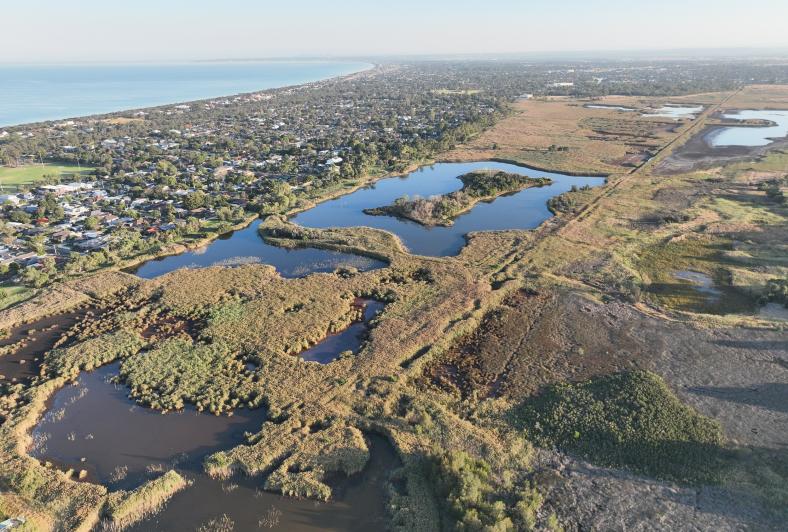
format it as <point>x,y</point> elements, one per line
<point>150,30</point>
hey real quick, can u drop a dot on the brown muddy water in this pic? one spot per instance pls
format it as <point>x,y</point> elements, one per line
<point>359,503</point>
<point>33,340</point>
<point>93,425</point>
<point>349,339</point>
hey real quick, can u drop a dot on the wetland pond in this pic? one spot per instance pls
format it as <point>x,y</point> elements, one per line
<point>93,425</point>
<point>675,111</point>
<point>349,339</point>
<point>124,444</point>
<point>28,342</point>
<point>245,246</point>
<point>359,502</point>
<point>609,107</point>
<point>700,281</point>
<point>522,210</point>
<point>750,135</point>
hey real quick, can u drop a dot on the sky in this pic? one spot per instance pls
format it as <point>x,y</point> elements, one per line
<point>166,30</point>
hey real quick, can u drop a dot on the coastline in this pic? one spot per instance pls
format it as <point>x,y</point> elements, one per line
<point>179,248</point>
<point>98,115</point>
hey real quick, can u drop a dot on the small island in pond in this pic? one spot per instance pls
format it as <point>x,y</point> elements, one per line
<point>482,185</point>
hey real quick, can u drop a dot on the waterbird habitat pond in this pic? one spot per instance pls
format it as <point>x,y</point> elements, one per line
<point>675,111</point>
<point>94,426</point>
<point>246,247</point>
<point>27,343</point>
<point>610,107</point>
<point>750,135</point>
<point>717,144</point>
<point>522,210</point>
<point>349,339</point>
<point>357,505</point>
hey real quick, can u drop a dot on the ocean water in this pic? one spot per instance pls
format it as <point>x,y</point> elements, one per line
<point>39,92</point>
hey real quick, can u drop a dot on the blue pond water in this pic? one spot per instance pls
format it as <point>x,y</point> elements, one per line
<point>245,246</point>
<point>675,112</point>
<point>523,210</point>
<point>751,136</point>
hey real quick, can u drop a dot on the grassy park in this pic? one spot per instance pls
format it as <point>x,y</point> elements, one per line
<point>12,178</point>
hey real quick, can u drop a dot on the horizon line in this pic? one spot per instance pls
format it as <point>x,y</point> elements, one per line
<point>602,53</point>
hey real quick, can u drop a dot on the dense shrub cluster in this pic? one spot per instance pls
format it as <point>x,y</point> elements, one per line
<point>629,419</point>
<point>474,498</point>
<point>776,291</point>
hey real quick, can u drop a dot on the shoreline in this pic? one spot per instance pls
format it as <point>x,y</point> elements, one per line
<point>180,248</point>
<point>389,210</point>
<point>110,114</point>
<point>524,165</point>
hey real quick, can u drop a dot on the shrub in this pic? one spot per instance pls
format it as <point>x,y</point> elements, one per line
<point>629,419</point>
<point>472,498</point>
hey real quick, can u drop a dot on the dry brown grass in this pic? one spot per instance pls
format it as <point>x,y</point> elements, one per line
<point>761,97</point>
<point>123,508</point>
<point>596,140</point>
<point>64,297</point>
<point>122,120</point>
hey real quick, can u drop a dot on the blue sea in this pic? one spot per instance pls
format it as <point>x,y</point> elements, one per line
<point>37,93</point>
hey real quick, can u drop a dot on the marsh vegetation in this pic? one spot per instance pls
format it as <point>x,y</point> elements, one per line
<point>490,362</point>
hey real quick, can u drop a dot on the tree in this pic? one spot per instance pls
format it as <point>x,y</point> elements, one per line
<point>34,277</point>
<point>91,223</point>
<point>19,216</point>
<point>48,265</point>
<point>194,200</point>
<point>192,224</point>
<point>168,212</point>
<point>165,167</point>
<point>37,244</point>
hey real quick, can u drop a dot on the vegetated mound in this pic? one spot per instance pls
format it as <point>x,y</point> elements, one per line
<point>630,419</point>
<point>482,185</point>
<point>473,497</point>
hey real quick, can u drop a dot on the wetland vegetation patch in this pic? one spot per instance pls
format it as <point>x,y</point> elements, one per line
<point>629,419</point>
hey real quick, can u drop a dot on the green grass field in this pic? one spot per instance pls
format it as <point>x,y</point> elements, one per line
<point>13,178</point>
<point>14,294</point>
